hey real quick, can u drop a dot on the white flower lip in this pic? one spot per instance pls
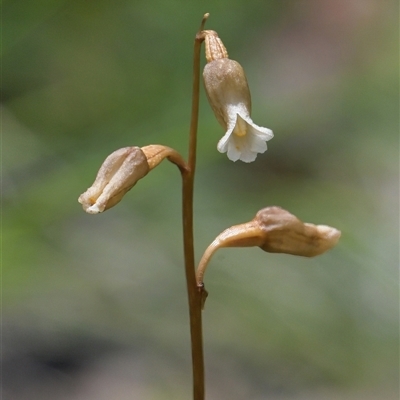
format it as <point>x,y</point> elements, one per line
<point>244,139</point>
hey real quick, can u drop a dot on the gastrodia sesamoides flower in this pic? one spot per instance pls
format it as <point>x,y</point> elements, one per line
<point>229,96</point>
<point>117,175</point>
<point>120,172</point>
<point>274,230</point>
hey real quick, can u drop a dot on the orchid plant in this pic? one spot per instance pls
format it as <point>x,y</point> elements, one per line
<point>273,229</point>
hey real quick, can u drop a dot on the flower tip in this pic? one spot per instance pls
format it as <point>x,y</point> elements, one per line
<point>94,209</point>
<point>329,234</point>
<point>285,233</point>
<point>321,238</point>
<point>89,205</point>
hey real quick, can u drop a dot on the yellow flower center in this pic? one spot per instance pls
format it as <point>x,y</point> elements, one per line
<point>240,127</point>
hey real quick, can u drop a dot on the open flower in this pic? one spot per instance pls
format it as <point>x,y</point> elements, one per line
<point>243,139</point>
<point>229,96</point>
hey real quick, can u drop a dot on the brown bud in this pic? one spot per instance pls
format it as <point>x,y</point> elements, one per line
<point>118,174</point>
<point>284,233</point>
<point>274,230</point>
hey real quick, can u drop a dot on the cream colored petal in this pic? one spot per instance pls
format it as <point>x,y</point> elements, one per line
<point>242,145</point>
<point>257,144</point>
<point>224,141</point>
<point>248,156</point>
<point>246,140</point>
<point>263,133</point>
<point>234,153</point>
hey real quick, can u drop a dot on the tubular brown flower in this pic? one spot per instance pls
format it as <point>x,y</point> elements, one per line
<point>274,230</point>
<point>118,174</point>
<point>229,96</point>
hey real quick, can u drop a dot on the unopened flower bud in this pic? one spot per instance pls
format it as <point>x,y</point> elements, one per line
<point>282,232</point>
<point>274,230</point>
<point>229,96</point>
<point>118,174</point>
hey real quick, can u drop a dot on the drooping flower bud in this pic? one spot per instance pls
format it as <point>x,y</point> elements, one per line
<point>119,173</point>
<point>229,96</point>
<point>274,230</point>
<point>121,170</point>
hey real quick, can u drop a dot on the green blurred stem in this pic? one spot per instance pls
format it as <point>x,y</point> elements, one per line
<point>194,296</point>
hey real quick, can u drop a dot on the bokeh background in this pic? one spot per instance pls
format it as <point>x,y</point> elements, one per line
<point>94,307</point>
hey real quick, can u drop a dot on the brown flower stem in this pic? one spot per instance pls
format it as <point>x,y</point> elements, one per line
<point>243,235</point>
<point>194,296</point>
<point>156,153</point>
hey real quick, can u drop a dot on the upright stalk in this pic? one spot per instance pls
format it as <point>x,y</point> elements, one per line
<point>194,296</point>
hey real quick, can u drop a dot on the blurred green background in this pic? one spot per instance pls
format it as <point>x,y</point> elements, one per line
<point>94,307</point>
